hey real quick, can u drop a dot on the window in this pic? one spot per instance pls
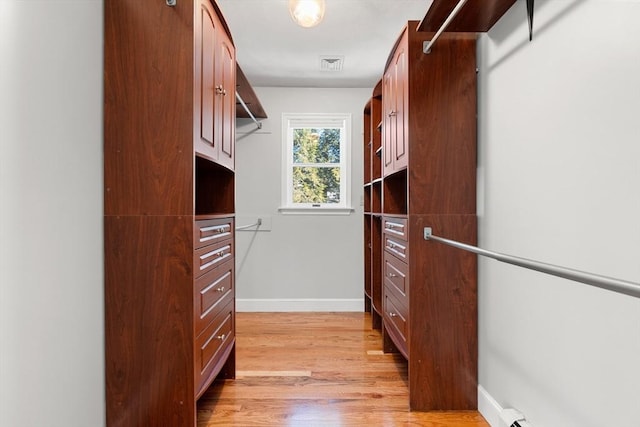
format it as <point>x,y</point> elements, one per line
<point>316,164</point>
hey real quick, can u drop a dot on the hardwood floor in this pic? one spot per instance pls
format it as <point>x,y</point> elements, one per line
<point>316,369</point>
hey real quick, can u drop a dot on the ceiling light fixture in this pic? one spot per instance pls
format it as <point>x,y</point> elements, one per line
<point>306,13</point>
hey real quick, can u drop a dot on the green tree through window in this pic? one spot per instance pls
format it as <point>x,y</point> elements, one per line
<point>316,165</point>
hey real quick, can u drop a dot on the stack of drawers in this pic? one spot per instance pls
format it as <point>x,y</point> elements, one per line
<point>214,296</point>
<point>395,289</point>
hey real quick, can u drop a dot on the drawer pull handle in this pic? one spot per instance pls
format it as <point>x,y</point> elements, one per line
<point>392,314</point>
<point>222,337</point>
<point>391,246</point>
<point>220,289</point>
<point>217,228</point>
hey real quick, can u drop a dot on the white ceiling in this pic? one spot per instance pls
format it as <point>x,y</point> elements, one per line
<point>273,51</point>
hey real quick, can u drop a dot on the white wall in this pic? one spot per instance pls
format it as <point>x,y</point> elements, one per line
<point>305,262</point>
<point>559,181</point>
<point>51,277</point>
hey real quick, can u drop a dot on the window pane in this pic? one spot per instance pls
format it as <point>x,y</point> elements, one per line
<point>316,185</point>
<point>316,145</point>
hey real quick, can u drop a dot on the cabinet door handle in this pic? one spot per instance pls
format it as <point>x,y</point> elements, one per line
<point>391,314</point>
<point>392,113</point>
<point>222,337</point>
<point>220,289</point>
<point>220,90</point>
<point>393,275</point>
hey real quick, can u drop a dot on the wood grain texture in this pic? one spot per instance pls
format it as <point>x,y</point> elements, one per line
<point>351,383</point>
<point>443,322</point>
<point>148,115</point>
<point>475,16</point>
<point>442,124</point>
<point>148,321</point>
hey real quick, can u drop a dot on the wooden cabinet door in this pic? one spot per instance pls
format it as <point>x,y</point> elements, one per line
<point>394,99</point>
<point>388,124</point>
<point>225,100</point>
<point>400,90</point>
<point>205,58</point>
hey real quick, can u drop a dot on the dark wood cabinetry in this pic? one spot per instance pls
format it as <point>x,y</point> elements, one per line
<point>169,208</point>
<point>428,299</point>
<point>394,101</point>
<point>373,205</point>
<point>215,83</point>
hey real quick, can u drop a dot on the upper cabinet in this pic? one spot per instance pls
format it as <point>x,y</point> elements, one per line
<point>394,99</point>
<point>215,85</point>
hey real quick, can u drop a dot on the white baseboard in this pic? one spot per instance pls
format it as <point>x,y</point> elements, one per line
<point>488,407</point>
<point>300,304</point>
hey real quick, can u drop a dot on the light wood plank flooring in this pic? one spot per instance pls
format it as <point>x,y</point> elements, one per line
<point>316,369</point>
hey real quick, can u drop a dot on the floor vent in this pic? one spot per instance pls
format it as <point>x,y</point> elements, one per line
<point>513,418</point>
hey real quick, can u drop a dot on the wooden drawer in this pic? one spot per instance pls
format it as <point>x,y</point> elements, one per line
<point>395,226</point>
<point>209,257</point>
<point>208,231</point>
<point>212,342</point>
<point>397,247</point>
<point>211,288</point>
<point>395,323</point>
<point>396,276</point>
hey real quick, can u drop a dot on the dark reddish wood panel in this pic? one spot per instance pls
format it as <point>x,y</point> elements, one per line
<point>249,97</point>
<point>443,305</point>
<point>149,321</point>
<point>475,16</point>
<point>442,125</point>
<point>148,108</point>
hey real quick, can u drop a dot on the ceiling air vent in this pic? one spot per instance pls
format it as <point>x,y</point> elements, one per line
<point>331,63</point>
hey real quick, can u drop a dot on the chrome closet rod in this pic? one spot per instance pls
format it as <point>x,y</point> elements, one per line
<point>604,282</point>
<point>258,223</point>
<point>427,45</point>
<point>239,98</point>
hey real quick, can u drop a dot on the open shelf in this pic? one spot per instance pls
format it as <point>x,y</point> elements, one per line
<point>214,188</point>
<point>394,196</point>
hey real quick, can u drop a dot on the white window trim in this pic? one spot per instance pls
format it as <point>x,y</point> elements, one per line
<point>316,120</point>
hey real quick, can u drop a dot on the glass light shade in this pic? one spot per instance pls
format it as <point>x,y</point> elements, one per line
<point>307,13</point>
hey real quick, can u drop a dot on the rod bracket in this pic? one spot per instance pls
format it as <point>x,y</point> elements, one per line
<point>171,2</point>
<point>426,46</point>
<point>427,233</point>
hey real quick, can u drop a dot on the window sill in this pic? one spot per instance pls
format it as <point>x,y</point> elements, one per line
<point>288,210</point>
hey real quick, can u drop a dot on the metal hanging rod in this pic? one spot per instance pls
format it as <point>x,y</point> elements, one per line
<point>427,45</point>
<point>257,224</point>
<point>239,98</point>
<point>604,282</point>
